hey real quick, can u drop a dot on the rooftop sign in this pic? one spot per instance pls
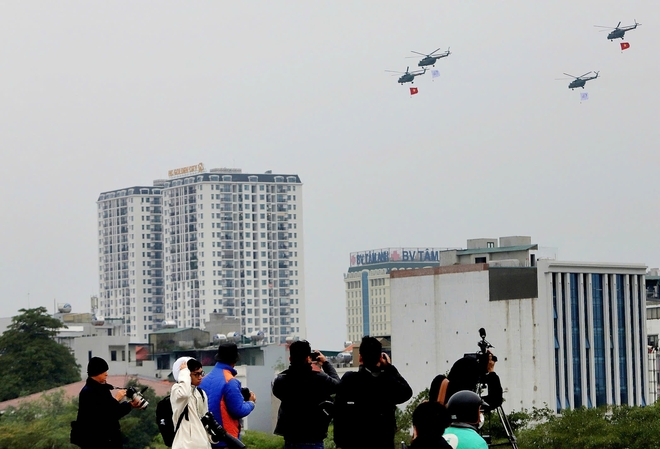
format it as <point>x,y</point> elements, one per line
<point>183,171</point>
<point>396,255</point>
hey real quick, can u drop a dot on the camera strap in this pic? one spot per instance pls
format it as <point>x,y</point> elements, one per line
<point>178,424</point>
<point>442,394</point>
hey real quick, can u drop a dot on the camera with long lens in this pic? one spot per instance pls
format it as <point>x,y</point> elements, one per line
<point>218,433</point>
<point>132,393</point>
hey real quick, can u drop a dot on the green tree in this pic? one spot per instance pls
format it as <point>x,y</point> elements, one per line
<point>139,427</point>
<point>30,359</point>
<point>40,424</point>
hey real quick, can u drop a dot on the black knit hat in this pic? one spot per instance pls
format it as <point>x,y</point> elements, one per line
<point>96,366</point>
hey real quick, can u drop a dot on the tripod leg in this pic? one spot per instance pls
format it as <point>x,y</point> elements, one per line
<point>507,428</point>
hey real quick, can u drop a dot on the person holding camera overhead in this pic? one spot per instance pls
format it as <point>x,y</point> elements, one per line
<point>97,424</point>
<point>226,400</point>
<point>366,400</point>
<point>189,404</point>
<point>305,411</point>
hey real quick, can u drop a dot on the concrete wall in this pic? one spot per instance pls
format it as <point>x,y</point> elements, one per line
<point>440,315</point>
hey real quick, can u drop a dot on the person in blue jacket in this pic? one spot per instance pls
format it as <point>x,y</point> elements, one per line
<point>226,401</point>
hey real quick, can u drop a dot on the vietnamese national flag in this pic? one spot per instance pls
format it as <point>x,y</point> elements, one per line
<point>413,90</point>
<point>624,45</point>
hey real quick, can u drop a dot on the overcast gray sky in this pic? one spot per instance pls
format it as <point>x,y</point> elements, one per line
<point>96,96</point>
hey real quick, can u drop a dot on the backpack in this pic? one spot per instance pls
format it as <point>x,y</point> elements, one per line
<point>164,420</point>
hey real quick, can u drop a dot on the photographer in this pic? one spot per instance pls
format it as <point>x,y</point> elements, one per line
<point>226,400</point>
<point>188,405</point>
<point>463,375</point>
<point>304,413</point>
<point>491,381</point>
<point>97,424</point>
<point>366,400</point>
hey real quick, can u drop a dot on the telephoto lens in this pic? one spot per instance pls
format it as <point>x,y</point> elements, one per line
<point>218,433</point>
<point>132,394</point>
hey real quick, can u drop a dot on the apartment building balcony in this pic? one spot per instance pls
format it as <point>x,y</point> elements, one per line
<point>227,254</point>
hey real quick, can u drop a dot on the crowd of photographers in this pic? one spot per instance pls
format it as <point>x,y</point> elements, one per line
<point>207,411</point>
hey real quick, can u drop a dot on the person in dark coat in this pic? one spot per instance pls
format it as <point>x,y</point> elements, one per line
<point>98,411</point>
<point>305,392</point>
<point>430,419</point>
<point>463,375</point>
<point>366,401</point>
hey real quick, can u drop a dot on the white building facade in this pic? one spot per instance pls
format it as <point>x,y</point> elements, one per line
<point>367,286</point>
<point>566,334</point>
<point>228,242</point>
<point>130,245</point>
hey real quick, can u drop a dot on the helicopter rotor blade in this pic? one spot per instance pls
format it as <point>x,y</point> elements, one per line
<point>617,25</point>
<point>418,53</point>
<point>434,51</point>
<point>394,71</point>
<point>568,74</point>
<point>584,74</point>
<point>602,26</point>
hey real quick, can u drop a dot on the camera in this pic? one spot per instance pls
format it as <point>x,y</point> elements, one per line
<point>314,356</point>
<point>246,393</point>
<point>132,393</point>
<point>218,433</point>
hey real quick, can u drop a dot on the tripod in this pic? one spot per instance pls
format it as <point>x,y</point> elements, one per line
<point>507,429</point>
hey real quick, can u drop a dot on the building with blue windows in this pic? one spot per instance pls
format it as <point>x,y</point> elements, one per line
<point>368,287</point>
<point>567,334</point>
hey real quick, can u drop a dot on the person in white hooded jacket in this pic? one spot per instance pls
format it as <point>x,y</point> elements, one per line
<point>191,433</point>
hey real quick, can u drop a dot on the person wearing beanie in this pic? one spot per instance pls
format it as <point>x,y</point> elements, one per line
<point>189,404</point>
<point>97,424</point>
<point>225,398</point>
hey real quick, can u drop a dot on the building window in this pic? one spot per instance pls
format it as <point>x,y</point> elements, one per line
<point>490,244</point>
<point>479,260</point>
<point>113,356</point>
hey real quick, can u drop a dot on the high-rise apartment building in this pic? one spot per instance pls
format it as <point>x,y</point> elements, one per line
<point>230,243</point>
<point>130,238</point>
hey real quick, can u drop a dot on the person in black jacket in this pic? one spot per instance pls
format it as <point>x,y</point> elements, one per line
<point>98,411</point>
<point>366,401</point>
<point>430,419</point>
<point>305,392</point>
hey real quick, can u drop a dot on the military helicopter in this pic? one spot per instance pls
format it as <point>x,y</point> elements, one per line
<point>431,58</point>
<point>617,32</point>
<point>581,80</point>
<point>408,77</point>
